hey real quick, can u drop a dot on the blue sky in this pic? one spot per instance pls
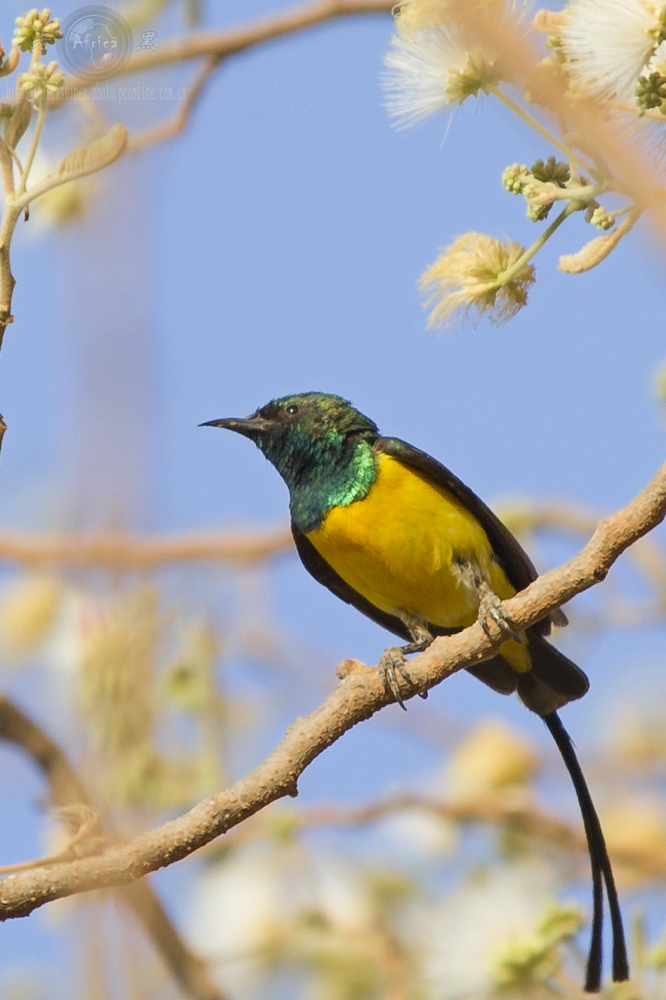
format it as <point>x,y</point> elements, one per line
<point>275,248</point>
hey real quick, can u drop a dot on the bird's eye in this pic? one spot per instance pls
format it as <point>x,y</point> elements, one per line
<point>292,410</point>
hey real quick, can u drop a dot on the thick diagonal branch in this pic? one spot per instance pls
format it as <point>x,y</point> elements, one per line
<point>360,695</point>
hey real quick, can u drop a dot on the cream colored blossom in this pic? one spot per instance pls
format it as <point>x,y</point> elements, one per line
<point>275,894</point>
<point>461,937</point>
<point>635,823</point>
<point>468,278</point>
<point>36,28</point>
<point>413,15</point>
<point>28,609</point>
<point>41,80</point>
<point>63,205</point>
<point>492,758</point>
<point>431,71</point>
<point>431,66</point>
<point>609,42</point>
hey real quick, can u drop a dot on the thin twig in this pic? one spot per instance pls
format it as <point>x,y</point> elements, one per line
<point>360,695</point>
<point>85,831</point>
<point>171,128</point>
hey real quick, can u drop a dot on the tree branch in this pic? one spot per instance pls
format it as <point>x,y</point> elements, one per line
<point>647,555</point>
<point>120,550</point>
<point>175,125</point>
<point>359,696</point>
<point>231,41</point>
<point>66,789</point>
<point>493,809</point>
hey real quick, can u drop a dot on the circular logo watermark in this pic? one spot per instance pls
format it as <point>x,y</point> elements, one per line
<point>96,43</point>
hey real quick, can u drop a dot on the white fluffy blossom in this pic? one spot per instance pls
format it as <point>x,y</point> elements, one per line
<point>657,63</point>
<point>431,66</point>
<point>246,910</point>
<point>463,934</point>
<point>421,70</point>
<point>609,42</point>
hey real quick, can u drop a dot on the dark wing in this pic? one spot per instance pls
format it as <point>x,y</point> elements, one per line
<point>508,551</point>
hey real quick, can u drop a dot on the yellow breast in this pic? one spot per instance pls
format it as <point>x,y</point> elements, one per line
<point>396,547</point>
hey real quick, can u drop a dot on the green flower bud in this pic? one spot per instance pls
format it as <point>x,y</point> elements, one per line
<point>552,170</point>
<point>651,91</point>
<point>515,177</point>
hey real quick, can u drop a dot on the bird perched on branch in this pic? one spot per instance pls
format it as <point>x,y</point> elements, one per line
<point>391,531</point>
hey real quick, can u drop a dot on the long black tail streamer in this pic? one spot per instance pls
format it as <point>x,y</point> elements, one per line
<point>600,864</point>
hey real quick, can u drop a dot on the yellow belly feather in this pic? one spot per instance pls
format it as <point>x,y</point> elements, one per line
<point>396,548</point>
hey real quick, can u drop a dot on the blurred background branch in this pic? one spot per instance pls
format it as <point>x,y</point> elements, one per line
<point>66,791</point>
<point>119,549</point>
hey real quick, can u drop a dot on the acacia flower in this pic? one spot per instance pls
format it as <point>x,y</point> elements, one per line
<point>471,276</point>
<point>36,28</point>
<point>608,43</point>
<point>41,80</point>
<point>462,939</point>
<point>274,892</point>
<point>431,71</point>
<point>28,610</point>
<point>431,67</point>
<point>492,758</point>
<point>413,15</point>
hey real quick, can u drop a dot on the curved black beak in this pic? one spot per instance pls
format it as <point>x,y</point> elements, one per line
<point>250,426</point>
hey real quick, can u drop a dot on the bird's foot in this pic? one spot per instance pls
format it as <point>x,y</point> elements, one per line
<point>492,611</point>
<point>391,663</point>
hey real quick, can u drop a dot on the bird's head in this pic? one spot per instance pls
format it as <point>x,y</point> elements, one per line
<point>303,432</point>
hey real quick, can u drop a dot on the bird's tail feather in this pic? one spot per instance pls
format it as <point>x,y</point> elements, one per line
<point>601,867</point>
<point>553,680</point>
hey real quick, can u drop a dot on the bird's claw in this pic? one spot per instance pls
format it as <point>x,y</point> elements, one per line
<point>492,610</point>
<point>392,662</point>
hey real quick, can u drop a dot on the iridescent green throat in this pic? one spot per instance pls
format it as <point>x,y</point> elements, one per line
<point>322,473</point>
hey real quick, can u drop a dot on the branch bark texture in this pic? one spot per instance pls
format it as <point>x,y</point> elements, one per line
<point>359,696</point>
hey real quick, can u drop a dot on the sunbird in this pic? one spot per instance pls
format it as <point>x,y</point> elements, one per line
<point>391,531</point>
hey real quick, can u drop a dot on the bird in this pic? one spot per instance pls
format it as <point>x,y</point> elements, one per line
<point>391,531</point>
